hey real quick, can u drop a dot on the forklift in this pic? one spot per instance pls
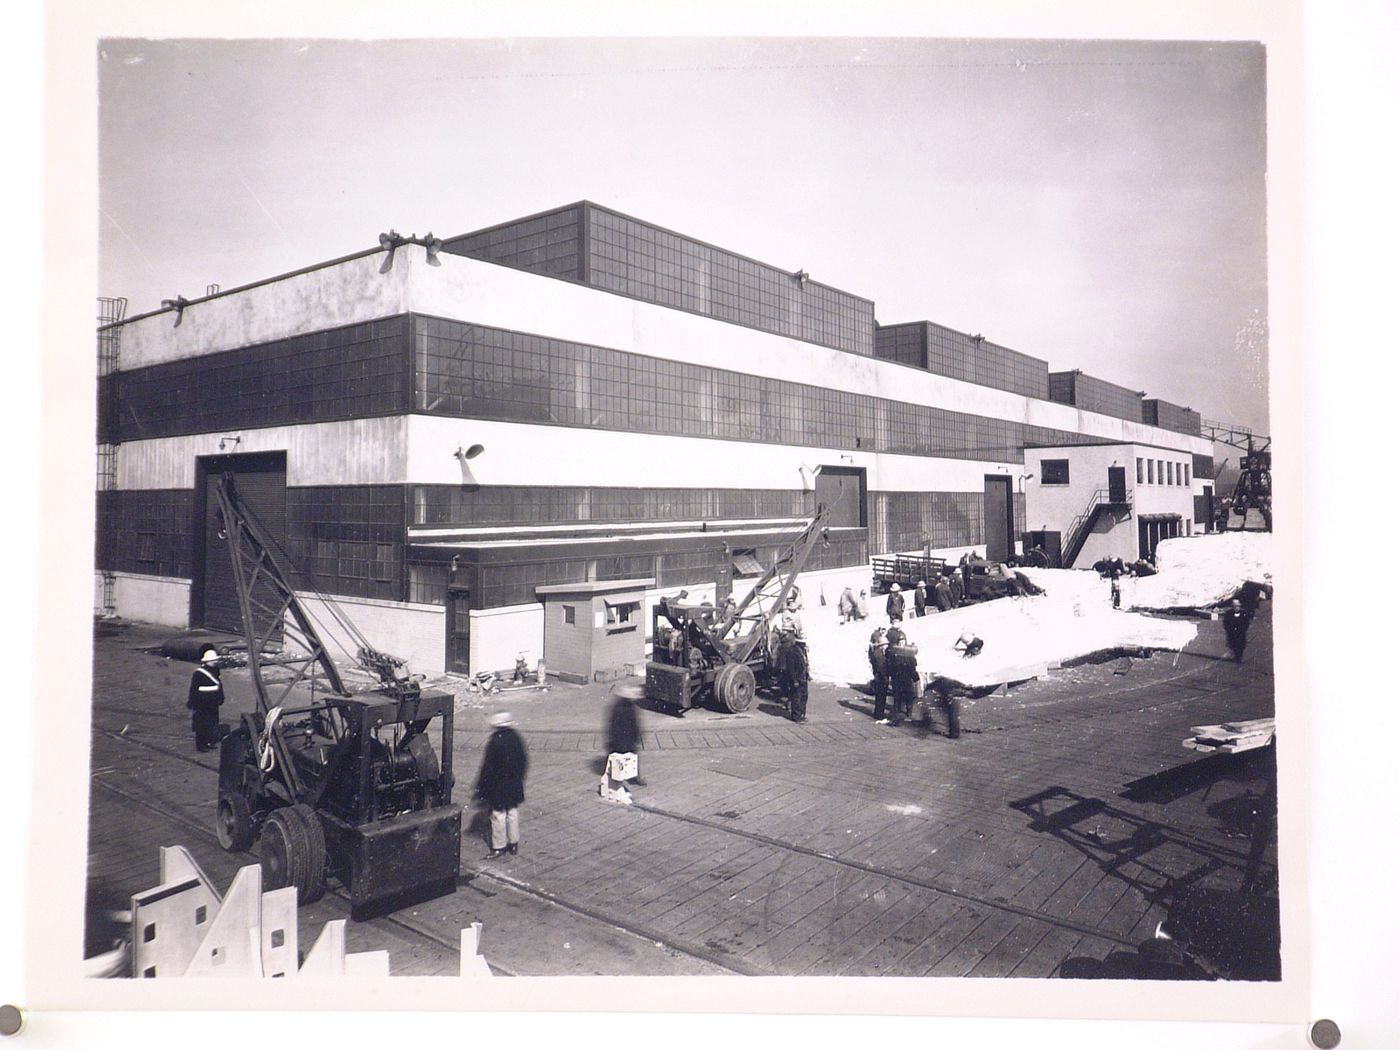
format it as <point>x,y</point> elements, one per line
<point>701,653</point>
<point>327,782</point>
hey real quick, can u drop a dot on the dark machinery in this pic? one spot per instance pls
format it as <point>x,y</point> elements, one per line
<point>1254,489</point>
<point>699,651</point>
<point>332,784</point>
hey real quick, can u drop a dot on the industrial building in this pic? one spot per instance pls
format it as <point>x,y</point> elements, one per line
<point>443,434</point>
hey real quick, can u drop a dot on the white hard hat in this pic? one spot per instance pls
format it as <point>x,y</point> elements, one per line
<point>894,586</point>
<point>208,655</point>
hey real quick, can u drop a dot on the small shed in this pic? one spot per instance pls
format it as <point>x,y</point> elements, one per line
<point>594,630</point>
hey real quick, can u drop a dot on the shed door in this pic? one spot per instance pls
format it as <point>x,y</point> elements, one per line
<point>458,631</point>
<point>261,483</point>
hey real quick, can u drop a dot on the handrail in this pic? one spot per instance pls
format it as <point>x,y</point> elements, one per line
<point>1079,528</point>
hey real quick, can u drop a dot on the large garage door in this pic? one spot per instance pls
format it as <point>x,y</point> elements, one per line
<point>261,482</point>
<point>842,491</point>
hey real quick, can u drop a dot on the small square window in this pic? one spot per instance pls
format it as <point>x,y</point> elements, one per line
<point>149,933</point>
<point>622,613</point>
<point>1139,470</point>
<point>1054,472</point>
<point>201,915</point>
<point>279,938</point>
<point>568,614</point>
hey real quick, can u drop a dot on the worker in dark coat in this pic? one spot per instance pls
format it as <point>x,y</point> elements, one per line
<point>501,783</point>
<point>791,658</point>
<point>1237,619</point>
<point>955,588</point>
<point>902,660</point>
<point>205,698</point>
<point>943,594</point>
<point>894,604</point>
<point>625,732</point>
<point>920,598</point>
<point>879,673</point>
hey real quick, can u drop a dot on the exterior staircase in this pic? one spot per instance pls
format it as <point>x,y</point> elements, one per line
<point>1099,503</point>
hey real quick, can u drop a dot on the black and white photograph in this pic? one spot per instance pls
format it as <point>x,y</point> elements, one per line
<point>700,506</point>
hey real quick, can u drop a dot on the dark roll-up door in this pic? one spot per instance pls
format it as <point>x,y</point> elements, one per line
<point>842,491</point>
<point>261,482</point>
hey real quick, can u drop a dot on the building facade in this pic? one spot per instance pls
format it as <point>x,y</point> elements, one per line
<point>576,396</point>
<point>1089,502</point>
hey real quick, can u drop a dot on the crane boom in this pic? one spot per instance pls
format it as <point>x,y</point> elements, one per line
<point>258,574</point>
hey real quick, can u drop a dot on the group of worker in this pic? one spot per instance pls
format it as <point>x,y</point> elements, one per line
<point>894,679</point>
<point>945,593</point>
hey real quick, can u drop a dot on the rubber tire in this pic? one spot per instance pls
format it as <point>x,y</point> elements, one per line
<point>735,687</point>
<point>282,851</point>
<point>233,824</point>
<point>313,887</point>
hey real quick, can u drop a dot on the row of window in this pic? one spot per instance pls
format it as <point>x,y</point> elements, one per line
<point>1163,471</point>
<point>1095,395</point>
<point>499,584</point>
<point>1149,472</point>
<point>341,373</point>
<point>145,532</point>
<point>908,521</point>
<point>551,505</point>
<point>477,372</point>
<point>487,373</point>
<point>352,551</point>
<point>623,255</point>
<point>981,361</point>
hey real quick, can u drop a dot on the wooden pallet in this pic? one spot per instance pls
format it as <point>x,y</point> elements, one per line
<point>1230,737</point>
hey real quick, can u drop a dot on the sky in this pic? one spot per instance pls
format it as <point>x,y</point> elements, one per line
<point>1098,204</point>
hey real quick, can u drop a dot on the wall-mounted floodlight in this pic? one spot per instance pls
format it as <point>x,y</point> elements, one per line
<point>232,441</point>
<point>463,457</point>
<point>808,474</point>
<point>178,304</point>
<point>393,240</point>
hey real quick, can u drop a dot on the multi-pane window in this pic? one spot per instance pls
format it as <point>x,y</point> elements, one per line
<point>1139,470</point>
<point>620,254</point>
<point>1054,472</point>
<point>349,540</point>
<point>145,531</point>
<point>1095,395</point>
<point>486,373</point>
<point>343,373</point>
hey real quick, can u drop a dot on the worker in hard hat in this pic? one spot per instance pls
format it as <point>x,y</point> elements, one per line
<point>879,673</point>
<point>894,604</point>
<point>791,659</point>
<point>205,698</point>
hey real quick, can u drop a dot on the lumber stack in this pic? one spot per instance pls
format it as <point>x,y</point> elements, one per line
<point>1229,737</point>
